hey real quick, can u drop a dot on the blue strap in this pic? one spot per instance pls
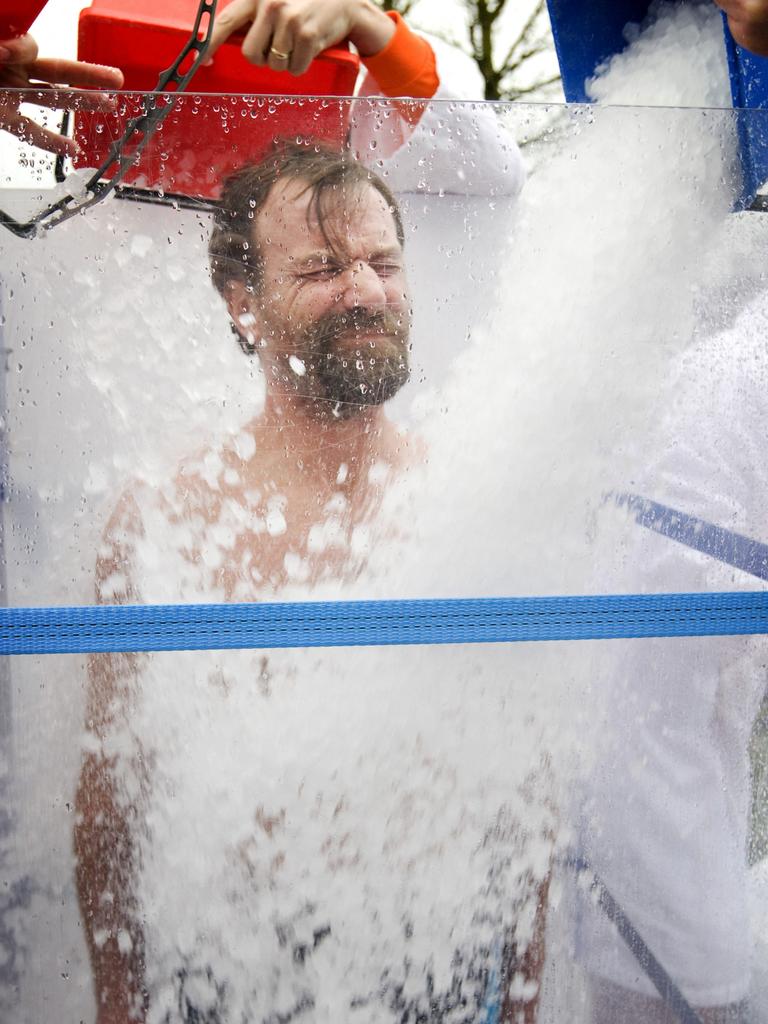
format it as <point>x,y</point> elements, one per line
<point>378,623</point>
<point>671,995</point>
<point>726,546</point>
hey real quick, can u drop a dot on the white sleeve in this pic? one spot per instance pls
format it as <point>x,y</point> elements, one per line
<point>711,457</point>
<point>706,485</point>
<point>665,820</point>
<point>458,146</point>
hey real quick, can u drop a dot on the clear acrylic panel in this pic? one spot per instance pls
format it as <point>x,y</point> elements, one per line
<point>417,379</point>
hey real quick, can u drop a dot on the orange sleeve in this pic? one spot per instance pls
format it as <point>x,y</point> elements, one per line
<point>406,66</point>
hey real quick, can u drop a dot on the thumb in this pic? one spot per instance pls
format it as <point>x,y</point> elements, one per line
<point>228,21</point>
<point>22,50</point>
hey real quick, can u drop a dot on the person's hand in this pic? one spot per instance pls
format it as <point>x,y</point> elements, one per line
<point>20,68</point>
<point>748,22</point>
<point>286,35</point>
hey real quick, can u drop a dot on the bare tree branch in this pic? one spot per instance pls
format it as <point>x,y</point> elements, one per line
<point>484,28</point>
<point>531,41</point>
<point>526,55</point>
<point>527,90</point>
<point>400,6</point>
<point>444,37</point>
<point>526,30</point>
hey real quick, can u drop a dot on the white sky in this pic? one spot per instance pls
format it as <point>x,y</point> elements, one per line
<point>56,33</point>
<point>56,27</point>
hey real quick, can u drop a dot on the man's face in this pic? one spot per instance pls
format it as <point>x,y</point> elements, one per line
<point>332,308</point>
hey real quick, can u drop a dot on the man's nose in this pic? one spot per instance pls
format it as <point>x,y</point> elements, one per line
<point>363,287</point>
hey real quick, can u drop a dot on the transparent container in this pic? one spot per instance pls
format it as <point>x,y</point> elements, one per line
<point>527,394</point>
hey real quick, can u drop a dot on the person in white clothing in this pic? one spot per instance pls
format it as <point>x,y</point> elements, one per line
<point>665,826</point>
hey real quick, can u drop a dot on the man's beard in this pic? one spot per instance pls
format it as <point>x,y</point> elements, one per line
<point>349,361</point>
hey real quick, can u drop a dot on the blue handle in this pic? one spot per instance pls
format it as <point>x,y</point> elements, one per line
<point>586,33</point>
<point>589,32</point>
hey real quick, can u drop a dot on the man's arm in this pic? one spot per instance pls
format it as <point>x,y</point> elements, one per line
<point>522,975</point>
<point>104,849</point>
<point>286,35</point>
<point>106,819</point>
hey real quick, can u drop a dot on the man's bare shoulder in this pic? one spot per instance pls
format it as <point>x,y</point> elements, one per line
<point>115,554</point>
<point>212,478</point>
<point>225,503</point>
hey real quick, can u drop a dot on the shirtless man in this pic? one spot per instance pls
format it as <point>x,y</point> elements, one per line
<point>307,252</point>
<point>325,306</point>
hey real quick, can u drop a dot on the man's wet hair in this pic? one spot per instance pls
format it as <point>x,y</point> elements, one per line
<point>328,174</point>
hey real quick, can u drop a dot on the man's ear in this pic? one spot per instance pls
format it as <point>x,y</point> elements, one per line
<point>243,311</point>
<point>239,299</point>
<point>240,304</point>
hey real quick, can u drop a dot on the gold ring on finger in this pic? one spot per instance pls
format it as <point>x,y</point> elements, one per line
<point>278,54</point>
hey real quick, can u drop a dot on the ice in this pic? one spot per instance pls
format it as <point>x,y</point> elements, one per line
<point>275,520</point>
<point>652,72</point>
<point>378,473</point>
<point>360,541</point>
<point>97,480</point>
<point>376,792</point>
<point>141,245</point>
<point>297,567</point>
<point>175,272</point>
<point>245,446</point>
<point>608,303</point>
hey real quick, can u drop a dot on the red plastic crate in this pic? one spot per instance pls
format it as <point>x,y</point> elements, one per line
<point>16,16</point>
<point>204,138</point>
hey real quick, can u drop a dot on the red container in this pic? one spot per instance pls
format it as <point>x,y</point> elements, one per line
<point>16,16</point>
<point>204,137</point>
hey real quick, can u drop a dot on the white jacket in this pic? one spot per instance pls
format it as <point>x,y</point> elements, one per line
<point>668,804</point>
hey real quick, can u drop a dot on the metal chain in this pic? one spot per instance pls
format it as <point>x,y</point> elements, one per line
<point>124,152</point>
